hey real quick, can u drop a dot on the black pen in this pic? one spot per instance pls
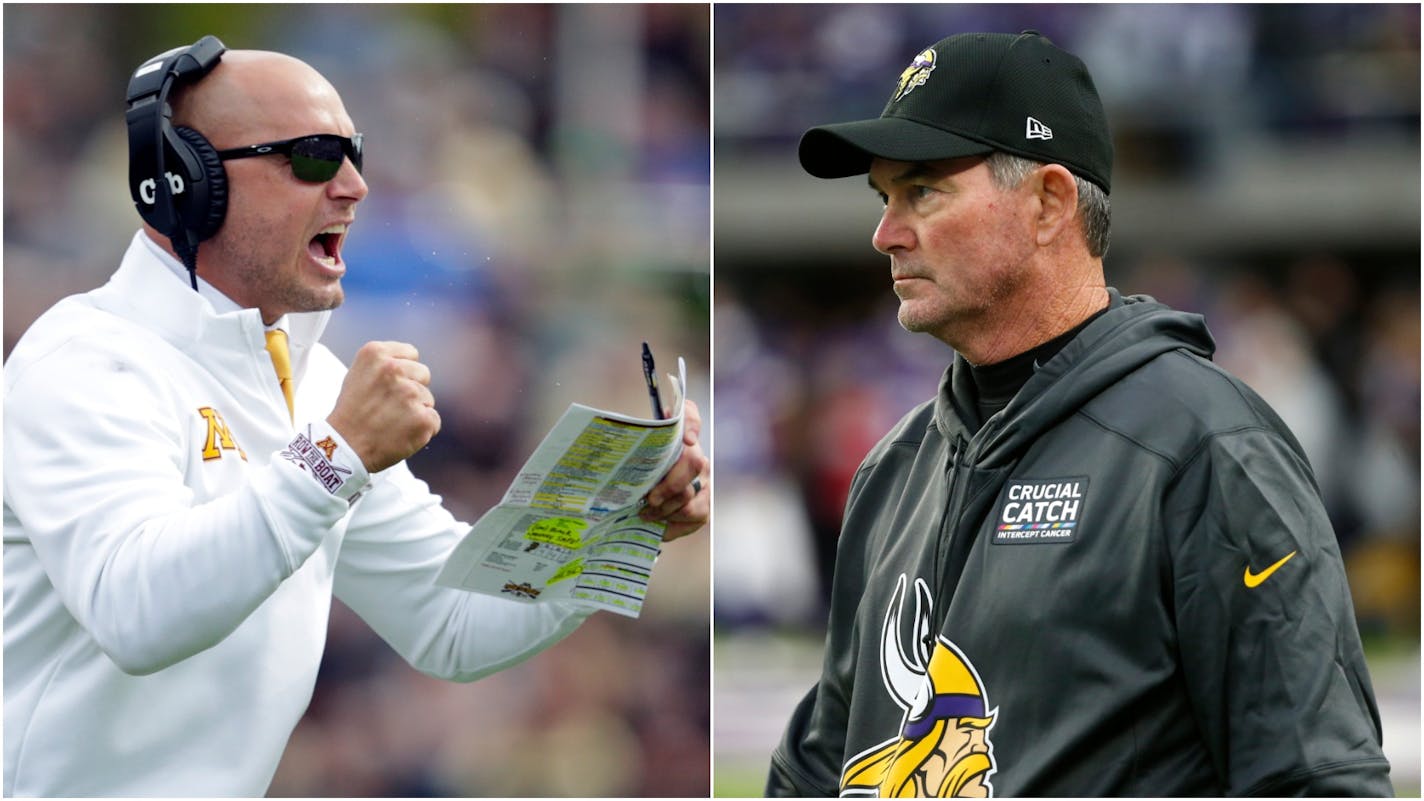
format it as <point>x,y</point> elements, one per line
<point>652,380</point>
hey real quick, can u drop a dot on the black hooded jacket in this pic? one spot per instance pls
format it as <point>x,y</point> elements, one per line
<point>1123,583</point>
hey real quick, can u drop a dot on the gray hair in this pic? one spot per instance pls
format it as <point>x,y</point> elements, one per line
<point>1094,208</point>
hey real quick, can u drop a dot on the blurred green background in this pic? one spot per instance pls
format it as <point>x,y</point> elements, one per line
<point>539,206</point>
<point>1266,175</point>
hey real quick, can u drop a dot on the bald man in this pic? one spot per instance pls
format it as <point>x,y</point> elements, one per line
<point>179,513</point>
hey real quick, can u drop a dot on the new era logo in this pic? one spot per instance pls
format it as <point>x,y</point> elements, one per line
<point>1037,130</point>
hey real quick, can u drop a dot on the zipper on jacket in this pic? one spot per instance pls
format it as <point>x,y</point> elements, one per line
<point>945,545</point>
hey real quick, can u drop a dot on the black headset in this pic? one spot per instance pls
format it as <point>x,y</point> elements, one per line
<point>177,181</point>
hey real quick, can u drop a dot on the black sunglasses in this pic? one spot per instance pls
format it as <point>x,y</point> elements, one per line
<point>315,159</point>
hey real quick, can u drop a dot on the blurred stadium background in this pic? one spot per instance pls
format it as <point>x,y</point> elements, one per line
<point>1267,175</point>
<point>538,208</point>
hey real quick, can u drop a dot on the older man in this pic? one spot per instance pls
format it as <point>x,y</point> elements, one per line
<point>1113,539</point>
<point>190,476</point>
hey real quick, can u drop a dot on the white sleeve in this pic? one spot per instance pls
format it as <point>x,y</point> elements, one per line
<point>397,541</point>
<point>94,462</point>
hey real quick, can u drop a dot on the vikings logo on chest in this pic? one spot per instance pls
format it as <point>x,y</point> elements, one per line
<point>943,747</point>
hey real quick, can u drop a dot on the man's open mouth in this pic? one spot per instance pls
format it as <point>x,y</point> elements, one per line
<point>325,247</point>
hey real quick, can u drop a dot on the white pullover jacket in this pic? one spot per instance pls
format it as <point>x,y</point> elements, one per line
<point>173,541</point>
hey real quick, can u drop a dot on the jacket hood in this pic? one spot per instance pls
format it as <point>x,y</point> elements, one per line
<point>1134,330</point>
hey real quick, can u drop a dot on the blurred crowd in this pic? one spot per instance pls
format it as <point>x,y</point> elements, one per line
<point>539,207</point>
<point>1181,82</point>
<point>812,368</point>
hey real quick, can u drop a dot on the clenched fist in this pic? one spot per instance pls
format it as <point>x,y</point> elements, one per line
<point>385,410</point>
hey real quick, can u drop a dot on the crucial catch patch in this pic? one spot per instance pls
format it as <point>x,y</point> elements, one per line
<point>1040,511</point>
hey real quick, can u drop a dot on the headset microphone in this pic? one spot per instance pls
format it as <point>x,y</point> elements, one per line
<point>176,179</point>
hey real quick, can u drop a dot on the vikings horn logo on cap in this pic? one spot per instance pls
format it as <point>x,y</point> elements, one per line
<point>916,74</point>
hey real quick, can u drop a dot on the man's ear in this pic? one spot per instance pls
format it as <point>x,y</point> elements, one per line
<point>1057,194</point>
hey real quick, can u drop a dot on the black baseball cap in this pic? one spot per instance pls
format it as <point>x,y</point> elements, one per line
<point>971,94</point>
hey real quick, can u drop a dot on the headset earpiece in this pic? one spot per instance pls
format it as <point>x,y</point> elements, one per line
<point>206,204</point>
<point>176,179</point>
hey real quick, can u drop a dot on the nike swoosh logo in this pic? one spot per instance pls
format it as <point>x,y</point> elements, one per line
<point>1255,579</point>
